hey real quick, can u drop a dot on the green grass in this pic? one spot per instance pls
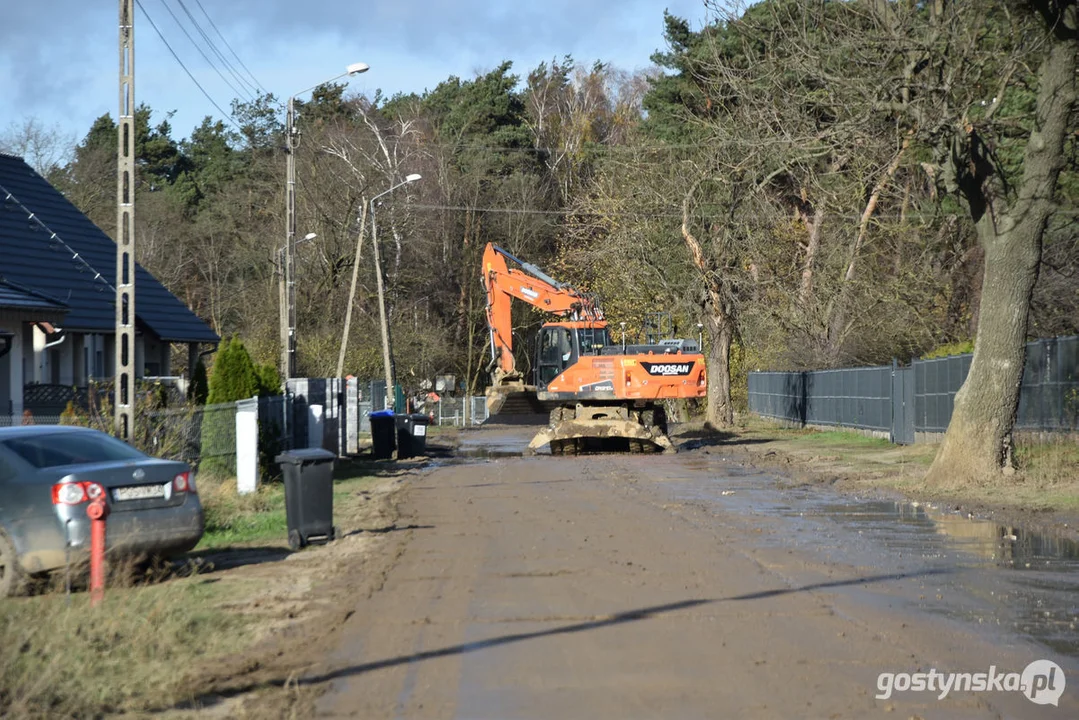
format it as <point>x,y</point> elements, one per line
<point>840,438</point>
<point>134,652</point>
<point>259,517</point>
<point>234,519</point>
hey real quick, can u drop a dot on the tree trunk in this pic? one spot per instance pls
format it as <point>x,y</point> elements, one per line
<point>720,410</point>
<point>813,225</point>
<point>976,446</point>
<point>718,318</point>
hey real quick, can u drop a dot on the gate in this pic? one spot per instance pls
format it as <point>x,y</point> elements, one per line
<point>902,405</point>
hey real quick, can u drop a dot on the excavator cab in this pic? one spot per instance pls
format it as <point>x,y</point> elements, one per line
<point>560,346</point>
<point>556,350</point>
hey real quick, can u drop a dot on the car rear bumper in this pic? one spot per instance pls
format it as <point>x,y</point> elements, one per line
<point>163,531</point>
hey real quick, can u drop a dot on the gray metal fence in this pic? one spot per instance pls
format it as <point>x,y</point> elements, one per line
<point>904,401</point>
<point>859,397</point>
<point>459,411</point>
<point>936,382</point>
<point>852,397</point>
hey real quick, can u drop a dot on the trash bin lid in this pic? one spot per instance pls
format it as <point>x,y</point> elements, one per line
<point>382,413</point>
<point>304,455</point>
<point>420,418</point>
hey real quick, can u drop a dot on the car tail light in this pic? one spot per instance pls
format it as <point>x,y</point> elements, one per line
<point>76,493</point>
<point>184,482</point>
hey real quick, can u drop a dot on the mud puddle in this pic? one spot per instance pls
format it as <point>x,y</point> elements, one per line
<point>989,573</point>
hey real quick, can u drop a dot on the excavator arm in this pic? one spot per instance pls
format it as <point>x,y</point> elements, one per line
<point>527,283</point>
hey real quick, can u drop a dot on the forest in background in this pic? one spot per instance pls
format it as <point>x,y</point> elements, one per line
<point>784,174</point>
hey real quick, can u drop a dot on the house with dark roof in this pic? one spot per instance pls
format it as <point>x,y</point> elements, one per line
<point>58,298</point>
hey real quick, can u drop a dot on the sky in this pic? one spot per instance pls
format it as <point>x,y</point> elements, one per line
<point>59,58</point>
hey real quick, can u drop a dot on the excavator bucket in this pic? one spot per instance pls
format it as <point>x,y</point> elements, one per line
<point>515,399</point>
<point>572,437</point>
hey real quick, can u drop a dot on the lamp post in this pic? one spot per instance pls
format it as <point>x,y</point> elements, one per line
<point>279,256</point>
<point>287,288</point>
<point>387,361</point>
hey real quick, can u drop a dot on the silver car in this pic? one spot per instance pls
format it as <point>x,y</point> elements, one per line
<point>49,473</point>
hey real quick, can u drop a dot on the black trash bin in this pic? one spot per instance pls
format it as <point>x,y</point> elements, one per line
<point>308,495</point>
<point>412,435</point>
<point>383,437</point>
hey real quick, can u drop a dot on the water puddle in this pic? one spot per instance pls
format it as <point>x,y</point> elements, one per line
<point>487,452</point>
<point>994,574</point>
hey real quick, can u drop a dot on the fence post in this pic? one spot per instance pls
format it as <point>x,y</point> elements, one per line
<point>247,445</point>
<point>315,419</point>
<point>352,416</point>
<point>803,406</point>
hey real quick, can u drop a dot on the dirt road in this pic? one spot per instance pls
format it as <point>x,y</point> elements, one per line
<point>663,586</point>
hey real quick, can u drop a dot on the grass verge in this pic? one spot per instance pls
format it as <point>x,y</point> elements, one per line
<point>1047,476</point>
<point>62,658</point>
<point>147,647</point>
<point>234,519</point>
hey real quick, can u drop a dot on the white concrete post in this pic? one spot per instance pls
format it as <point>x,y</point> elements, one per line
<point>40,357</point>
<point>352,416</point>
<point>314,426</point>
<point>247,445</point>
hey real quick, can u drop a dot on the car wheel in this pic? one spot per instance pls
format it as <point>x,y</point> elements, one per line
<point>12,580</point>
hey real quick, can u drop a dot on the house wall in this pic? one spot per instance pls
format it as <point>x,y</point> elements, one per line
<point>156,357</point>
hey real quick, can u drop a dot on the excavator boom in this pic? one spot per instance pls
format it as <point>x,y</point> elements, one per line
<point>529,284</point>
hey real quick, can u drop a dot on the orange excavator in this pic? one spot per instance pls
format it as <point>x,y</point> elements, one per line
<point>600,395</point>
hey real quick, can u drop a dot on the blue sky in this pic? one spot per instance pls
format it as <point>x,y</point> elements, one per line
<point>58,58</point>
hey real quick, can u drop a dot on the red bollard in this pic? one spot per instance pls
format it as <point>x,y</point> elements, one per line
<point>97,511</point>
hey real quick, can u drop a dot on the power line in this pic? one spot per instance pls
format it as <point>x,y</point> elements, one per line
<point>205,57</point>
<point>257,85</point>
<point>181,63</point>
<point>213,48</point>
<point>668,214</point>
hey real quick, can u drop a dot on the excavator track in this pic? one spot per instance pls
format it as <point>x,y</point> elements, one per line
<point>579,431</point>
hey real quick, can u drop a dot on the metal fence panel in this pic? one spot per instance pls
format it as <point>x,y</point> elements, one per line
<point>851,397</point>
<point>1048,394</point>
<point>902,405</point>
<point>779,395</point>
<point>365,416</point>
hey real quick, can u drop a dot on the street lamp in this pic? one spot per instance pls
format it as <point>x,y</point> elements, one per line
<point>287,287</point>
<point>387,361</point>
<point>279,255</point>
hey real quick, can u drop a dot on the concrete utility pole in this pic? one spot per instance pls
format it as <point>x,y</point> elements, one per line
<point>288,282</point>
<point>124,390</point>
<point>387,355</point>
<point>351,294</point>
<point>287,288</point>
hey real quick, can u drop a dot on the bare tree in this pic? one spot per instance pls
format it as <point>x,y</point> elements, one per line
<point>46,149</point>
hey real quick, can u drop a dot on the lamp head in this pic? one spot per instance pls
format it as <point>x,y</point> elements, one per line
<point>310,236</point>
<point>357,68</point>
<point>413,178</point>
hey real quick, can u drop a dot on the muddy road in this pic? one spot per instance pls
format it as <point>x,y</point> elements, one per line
<point>693,586</point>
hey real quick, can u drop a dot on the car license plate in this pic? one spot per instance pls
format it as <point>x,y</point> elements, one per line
<point>138,492</point>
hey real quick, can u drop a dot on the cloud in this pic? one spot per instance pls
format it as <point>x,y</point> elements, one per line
<point>66,70</point>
